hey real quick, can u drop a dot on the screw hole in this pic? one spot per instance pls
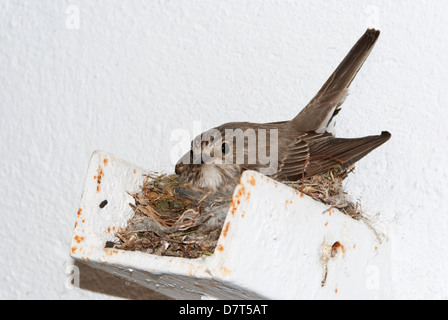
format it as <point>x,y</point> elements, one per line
<point>335,248</point>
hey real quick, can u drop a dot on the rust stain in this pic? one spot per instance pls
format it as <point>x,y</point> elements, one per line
<point>105,161</point>
<point>110,252</point>
<point>243,214</point>
<point>76,225</point>
<point>99,177</point>
<point>226,229</point>
<point>236,199</point>
<point>100,174</point>
<point>109,229</point>
<point>220,248</point>
<point>232,208</point>
<point>79,212</point>
<point>135,171</point>
<point>354,246</point>
<point>376,248</point>
<point>326,223</point>
<point>252,181</point>
<point>336,291</point>
<point>73,250</point>
<point>302,194</point>
<point>241,191</point>
<point>79,239</point>
<point>226,271</point>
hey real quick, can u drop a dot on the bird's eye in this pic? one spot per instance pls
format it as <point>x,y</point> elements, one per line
<point>225,148</point>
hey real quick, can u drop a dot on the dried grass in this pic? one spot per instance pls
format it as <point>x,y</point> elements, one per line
<point>177,219</point>
<point>328,189</point>
<point>174,219</point>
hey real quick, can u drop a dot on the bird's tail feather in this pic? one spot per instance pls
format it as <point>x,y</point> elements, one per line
<point>342,151</point>
<point>325,105</point>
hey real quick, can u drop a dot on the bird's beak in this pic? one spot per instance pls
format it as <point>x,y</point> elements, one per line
<point>180,167</point>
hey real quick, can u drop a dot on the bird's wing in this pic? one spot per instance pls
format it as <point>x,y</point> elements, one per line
<point>326,104</point>
<point>314,153</point>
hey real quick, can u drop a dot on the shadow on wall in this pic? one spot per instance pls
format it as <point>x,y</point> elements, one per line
<point>102,282</point>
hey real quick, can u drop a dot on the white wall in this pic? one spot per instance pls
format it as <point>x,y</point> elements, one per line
<point>134,71</point>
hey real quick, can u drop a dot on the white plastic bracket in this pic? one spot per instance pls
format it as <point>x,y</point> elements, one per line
<point>276,243</point>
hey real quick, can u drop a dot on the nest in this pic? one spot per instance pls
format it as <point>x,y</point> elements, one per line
<point>328,189</point>
<point>177,219</point>
<point>174,219</point>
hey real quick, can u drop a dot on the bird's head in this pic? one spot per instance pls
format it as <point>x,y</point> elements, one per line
<point>218,156</point>
<point>210,163</point>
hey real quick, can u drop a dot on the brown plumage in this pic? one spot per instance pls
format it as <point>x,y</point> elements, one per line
<point>299,148</point>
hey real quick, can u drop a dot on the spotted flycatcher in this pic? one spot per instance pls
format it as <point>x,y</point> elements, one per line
<point>287,150</point>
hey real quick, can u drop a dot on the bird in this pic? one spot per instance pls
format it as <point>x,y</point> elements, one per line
<point>298,148</point>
